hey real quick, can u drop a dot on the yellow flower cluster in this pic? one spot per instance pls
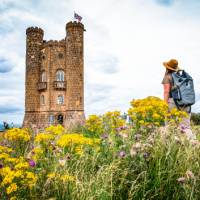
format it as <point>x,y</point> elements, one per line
<point>36,153</point>
<point>113,120</point>
<point>11,188</point>
<point>14,174</point>
<point>67,177</point>
<point>108,122</point>
<point>79,150</point>
<point>55,130</point>
<point>17,134</point>
<point>61,177</point>
<point>75,139</point>
<point>176,115</point>
<point>151,110</point>
<point>44,137</point>
<point>4,149</point>
<point>94,123</point>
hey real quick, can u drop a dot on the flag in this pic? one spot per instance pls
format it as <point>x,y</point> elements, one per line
<point>76,16</point>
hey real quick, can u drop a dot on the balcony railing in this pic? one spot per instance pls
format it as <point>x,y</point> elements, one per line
<point>42,86</point>
<point>59,85</point>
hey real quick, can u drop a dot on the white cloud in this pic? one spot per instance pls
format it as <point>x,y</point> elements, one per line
<point>125,45</point>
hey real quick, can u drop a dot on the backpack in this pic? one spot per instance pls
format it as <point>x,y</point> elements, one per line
<point>182,89</point>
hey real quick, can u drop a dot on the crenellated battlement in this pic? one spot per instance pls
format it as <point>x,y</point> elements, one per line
<point>54,43</point>
<point>34,30</point>
<point>74,24</point>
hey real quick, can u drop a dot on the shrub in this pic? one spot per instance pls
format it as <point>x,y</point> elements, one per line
<point>195,118</point>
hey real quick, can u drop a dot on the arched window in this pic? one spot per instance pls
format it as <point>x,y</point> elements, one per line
<point>51,119</point>
<point>60,99</point>
<point>60,119</point>
<point>42,99</point>
<point>43,77</point>
<point>60,75</point>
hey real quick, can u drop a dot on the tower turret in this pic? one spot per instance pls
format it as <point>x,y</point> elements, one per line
<point>75,67</point>
<point>34,41</point>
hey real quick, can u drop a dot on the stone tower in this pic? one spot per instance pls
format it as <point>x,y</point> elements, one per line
<point>54,78</point>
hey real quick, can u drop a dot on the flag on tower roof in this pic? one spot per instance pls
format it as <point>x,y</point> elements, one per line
<point>78,17</point>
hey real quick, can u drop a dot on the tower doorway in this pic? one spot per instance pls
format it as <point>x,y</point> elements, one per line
<point>60,119</point>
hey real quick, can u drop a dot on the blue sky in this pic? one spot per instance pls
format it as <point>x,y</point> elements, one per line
<point>125,45</point>
<point>165,2</point>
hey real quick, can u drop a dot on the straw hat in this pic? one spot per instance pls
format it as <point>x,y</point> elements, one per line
<point>172,65</point>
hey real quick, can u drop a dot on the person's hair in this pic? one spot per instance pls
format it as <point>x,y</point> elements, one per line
<point>169,71</point>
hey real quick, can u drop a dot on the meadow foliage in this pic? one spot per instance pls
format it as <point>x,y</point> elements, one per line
<point>107,158</point>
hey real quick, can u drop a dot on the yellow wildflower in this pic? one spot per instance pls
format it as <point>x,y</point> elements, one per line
<point>56,130</point>
<point>11,188</point>
<point>16,134</point>
<point>22,165</point>
<point>44,137</point>
<point>72,139</point>
<point>79,150</point>
<point>67,177</point>
<point>4,149</point>
<point>13,198</point>
<point>19,173</point>
<point>51,175</point>
<point>94,123</point>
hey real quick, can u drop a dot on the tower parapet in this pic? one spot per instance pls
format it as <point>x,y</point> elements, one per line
<point>54,43</point>
<point>74,25</point>
<point>34,30</point>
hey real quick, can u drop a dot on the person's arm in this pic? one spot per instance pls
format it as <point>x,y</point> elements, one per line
<point>166,91</point>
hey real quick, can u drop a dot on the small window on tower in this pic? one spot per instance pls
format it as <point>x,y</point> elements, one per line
<point>60,99</point>
<point>42,100</point>
<point>43,57</point>
<point>60,55</point>
<point>60,75</point>
<point>43,77</point>
<point>51,119</point>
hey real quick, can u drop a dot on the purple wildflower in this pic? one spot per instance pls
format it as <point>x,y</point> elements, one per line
<point>118,129</point>
<point>104,136</point>
<point>146,155</point>
<point>183,128</point>
<point>32,163</point>
<point>123,128</point>
<point>122,154</point>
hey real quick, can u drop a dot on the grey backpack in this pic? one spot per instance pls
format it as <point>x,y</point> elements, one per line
<point>183,89</point>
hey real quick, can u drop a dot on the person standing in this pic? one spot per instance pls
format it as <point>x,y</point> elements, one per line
<point>171,67</point>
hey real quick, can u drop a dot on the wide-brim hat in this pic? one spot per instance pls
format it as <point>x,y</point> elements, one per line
<point>172,65</point>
